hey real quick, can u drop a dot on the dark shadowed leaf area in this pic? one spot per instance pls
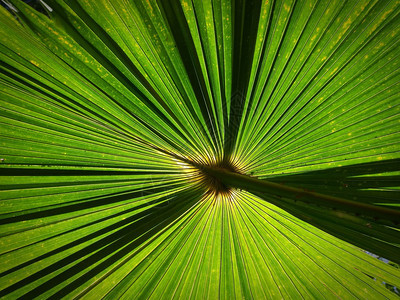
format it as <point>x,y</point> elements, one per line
<point>200,149</point>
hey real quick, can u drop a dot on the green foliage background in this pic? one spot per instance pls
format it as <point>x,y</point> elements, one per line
<point>107,107</point>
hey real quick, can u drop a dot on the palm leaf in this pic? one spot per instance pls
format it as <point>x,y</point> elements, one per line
<point>200,149</point>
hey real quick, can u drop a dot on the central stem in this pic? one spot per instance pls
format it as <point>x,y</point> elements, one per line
<point>224,176</point>
<point>233,179</point>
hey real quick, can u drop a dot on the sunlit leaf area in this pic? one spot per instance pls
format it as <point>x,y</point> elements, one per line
<point>200,149</point>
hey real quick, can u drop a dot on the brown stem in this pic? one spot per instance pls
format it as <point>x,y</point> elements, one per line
<point>234,179</point>
<point>255,185</point>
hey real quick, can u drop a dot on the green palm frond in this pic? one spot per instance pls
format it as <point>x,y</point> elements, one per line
<point>200,149</point>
